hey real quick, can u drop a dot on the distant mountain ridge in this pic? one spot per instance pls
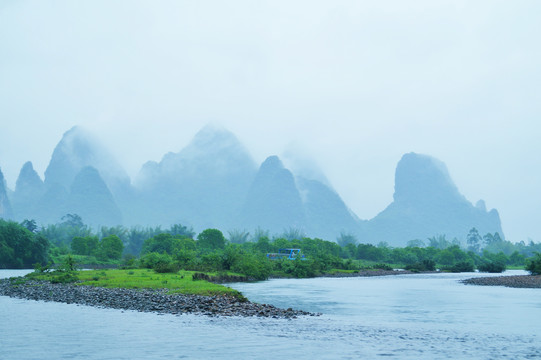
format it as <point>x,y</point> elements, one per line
<point>5,204</point>
<point>214,182</point>
<point>427,203</point>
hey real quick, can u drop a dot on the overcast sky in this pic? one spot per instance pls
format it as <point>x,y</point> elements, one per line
<point>350,85</point>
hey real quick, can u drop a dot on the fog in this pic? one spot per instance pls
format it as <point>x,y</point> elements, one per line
<point>347,87</point>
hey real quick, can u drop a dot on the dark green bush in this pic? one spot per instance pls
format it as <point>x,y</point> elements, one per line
<point>62,277</point>
<point>166,268</point>
<point>462,266</point>
<point>492,267</point>
<point>253,266</point>
<point>425,265</point>
<point>297,268</point>
<point>534,265</point>
<point>382,267</point>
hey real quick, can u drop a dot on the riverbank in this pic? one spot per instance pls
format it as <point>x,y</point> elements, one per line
<point>144,300</point>
<point>369,273</point>
<point>516,281</point>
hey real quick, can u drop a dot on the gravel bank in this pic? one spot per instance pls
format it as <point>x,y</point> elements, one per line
<point>369,273</point>
<point>141,300</point>
<point>517,281</point>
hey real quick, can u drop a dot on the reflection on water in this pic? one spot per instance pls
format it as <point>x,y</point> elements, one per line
<point>407,316</point>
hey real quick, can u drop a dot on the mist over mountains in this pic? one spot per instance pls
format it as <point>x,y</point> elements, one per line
<point>214,182</point>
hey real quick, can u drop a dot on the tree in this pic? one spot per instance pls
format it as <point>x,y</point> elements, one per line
<point>293,234</point>
<point>30,225</point>
<point>259,233</point>
<point>474,240</point>
<point>19,247</point>
<point>345,239</point>
<point>111,247</point>
<point>161,243</point>
<point>73,220</point>
<point>439,242</point>
<point>237,236</point>
<point>534,265</point>
<point>211,239</point>
<point>85,245</point>
<point>416,243</point>
<point>180,230</point>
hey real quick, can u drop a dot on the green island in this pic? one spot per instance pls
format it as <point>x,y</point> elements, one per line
<point>181,282</point>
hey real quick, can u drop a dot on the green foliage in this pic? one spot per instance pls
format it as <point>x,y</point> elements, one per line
<point>492,267</point>
<point>253,266</point>
<point>474,240</point>
<point>382,267</point>
<point>161,243</point>
<point>179,230</point>
<point>129,261</point>
<point>425,265</point>
<point>141,279</point>
<point>63,277</point>
<point>166,268</point>
<point>237,236</point>
<point>534,265</point>
<point>517,259</point>
<point>452,255</point>
<point>87,245</point>
<point>210,239</point>
<point>461,266</point>
<point>293,234</point>
<point>30,225</point>
<point>61,234</point>
<point>110,247</point>
<point>21,248</point>
<point>296,268</point>
<point>69,264</point>
<point>153,260</point>
<point>345,239</point>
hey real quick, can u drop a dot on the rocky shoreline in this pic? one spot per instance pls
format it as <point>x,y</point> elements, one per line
<point>368,273</point>
<point>142,300</point>
<point>516,281</point>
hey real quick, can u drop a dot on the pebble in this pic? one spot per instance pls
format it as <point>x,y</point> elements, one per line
<point>147,300</point>
<point>516,281</point>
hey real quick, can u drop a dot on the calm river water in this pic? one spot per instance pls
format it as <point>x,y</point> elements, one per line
<point>403,317</point>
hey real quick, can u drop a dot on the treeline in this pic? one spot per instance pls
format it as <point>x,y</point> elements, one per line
<point>21,247</point>
<point>178,247</point>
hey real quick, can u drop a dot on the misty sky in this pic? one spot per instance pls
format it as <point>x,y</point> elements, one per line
<point>349,85</point>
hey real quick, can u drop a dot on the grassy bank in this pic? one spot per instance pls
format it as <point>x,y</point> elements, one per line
<point>180,282</point>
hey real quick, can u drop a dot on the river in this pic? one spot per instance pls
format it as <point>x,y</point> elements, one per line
<point>430,316</point>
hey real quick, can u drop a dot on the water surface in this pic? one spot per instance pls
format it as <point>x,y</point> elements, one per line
<point>405,317</point>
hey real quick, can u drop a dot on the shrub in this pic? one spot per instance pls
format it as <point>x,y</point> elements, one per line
<point>64,278</point>
<point>492,267</point>
<point>534,265</point>
<point>253,266</point>
<point>166,268</point>
<point>151,260</point>
<point>297,268</point>
<point>425,265</point>
<point>382,267</point>
<point>462,266</point>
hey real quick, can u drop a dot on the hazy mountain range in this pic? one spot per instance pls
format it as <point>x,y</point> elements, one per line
<point>214,182</point>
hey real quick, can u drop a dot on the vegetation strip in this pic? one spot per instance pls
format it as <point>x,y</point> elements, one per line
<point>518,281</point>
<point>144,300</point>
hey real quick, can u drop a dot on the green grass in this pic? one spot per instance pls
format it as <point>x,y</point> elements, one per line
<point>515,267</point>
<point>180,282</point>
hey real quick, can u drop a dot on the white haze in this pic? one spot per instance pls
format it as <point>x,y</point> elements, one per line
<point>354,84</point>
